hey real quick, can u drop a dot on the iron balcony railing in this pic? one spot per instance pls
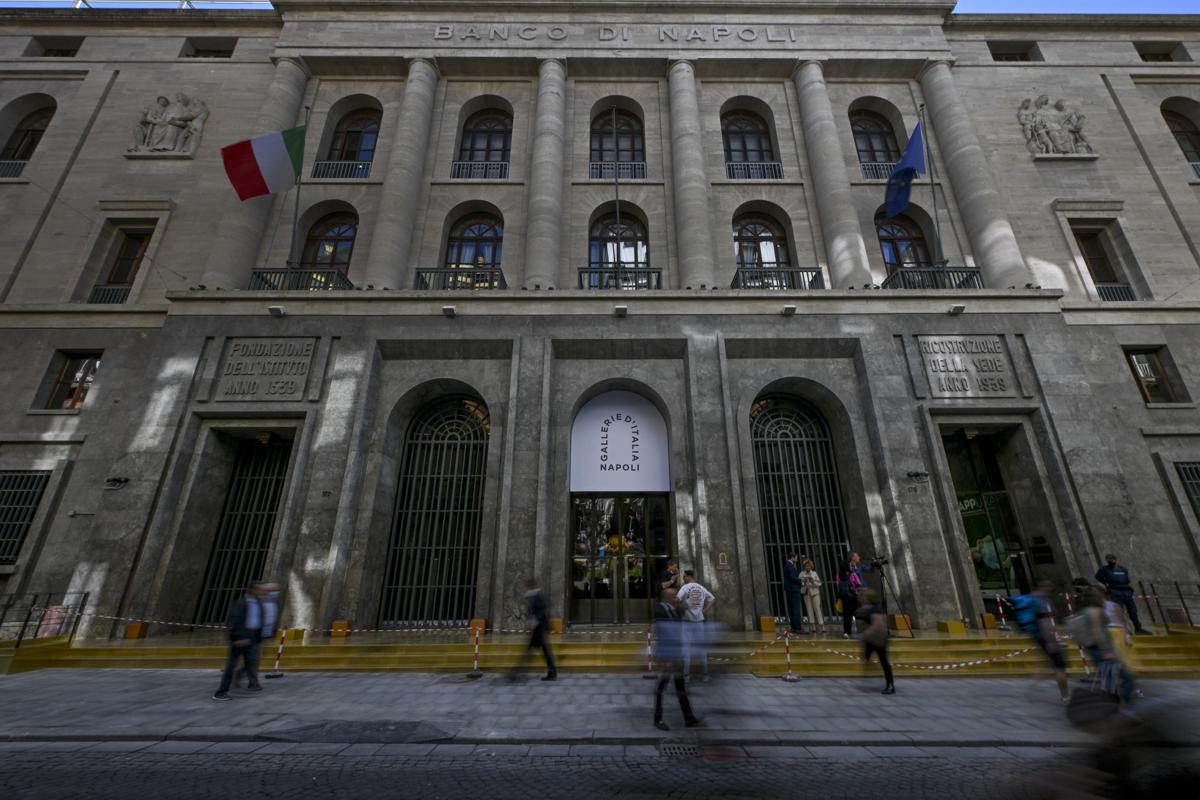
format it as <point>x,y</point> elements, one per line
<point>753,170</point>
<point>342,170</point>
<point>625,170</point>
<point>627,278</point>
<point>479,170</point>
<point>470,278</point>
<point>1196,168</point>
<point>1115,292</point>
<point>13,169</point>
<point>298,280</point>
<point>109,294</point>
<point>935,278</point>
<point>778,278</point>
<point>877,170</point>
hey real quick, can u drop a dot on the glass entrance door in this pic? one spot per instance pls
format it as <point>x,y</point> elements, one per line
<point>620,544</point>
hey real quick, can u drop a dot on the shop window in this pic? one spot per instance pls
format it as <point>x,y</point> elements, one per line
<point>1155,373</point>
<point>69,379</point>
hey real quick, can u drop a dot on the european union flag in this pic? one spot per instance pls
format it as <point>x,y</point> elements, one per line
<point>900,182</point>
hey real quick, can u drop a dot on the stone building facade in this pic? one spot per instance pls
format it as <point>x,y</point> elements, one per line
<point>574,289</point>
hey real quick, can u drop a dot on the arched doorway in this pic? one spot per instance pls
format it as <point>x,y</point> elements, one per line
<point>433,556</point>
<point>620,509</point>
<point>799,496</point>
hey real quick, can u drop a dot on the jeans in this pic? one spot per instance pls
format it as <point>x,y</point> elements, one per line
<point>248,655</point>
<point>695,645</point>
<point>795,603</point>
<point>1130,605</point>
<point>1114,675</point>
<point>849,606</point>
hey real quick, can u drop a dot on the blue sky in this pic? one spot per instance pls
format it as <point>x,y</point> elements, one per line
<point>1078,7</point>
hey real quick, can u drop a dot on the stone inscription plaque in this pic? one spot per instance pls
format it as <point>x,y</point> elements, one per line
<point>265,369</point>
<point>967,366</point>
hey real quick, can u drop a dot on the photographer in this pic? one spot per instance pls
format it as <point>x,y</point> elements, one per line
<point>849,584</point>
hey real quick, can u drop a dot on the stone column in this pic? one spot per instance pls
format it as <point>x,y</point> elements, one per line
<point>543,239</point>
<point>693,229</point>
<point>391,242</point>
<point>992,239</point>
<point>243,223</point>
<point>844,245</point>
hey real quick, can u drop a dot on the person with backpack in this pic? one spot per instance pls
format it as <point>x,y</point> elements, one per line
<point>1035,616</point>
<point>849,584</point>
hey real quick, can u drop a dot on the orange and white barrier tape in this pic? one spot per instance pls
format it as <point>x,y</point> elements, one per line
<point>275,673</point>
<point>475,673</point>
<point>789,676</point>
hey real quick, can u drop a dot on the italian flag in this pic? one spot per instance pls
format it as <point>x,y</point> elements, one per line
<point>265,165</point>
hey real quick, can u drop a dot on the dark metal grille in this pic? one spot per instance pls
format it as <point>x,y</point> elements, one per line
<point>798,493</point>
<point>20,493</point>
<point>434,553</point>
<point>1189,474</point>
<point>245,527</point>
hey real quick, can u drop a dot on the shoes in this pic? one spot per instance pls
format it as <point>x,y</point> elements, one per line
<point>845,636</point>
<point>695,723</point>
<point>1143,632</point>
<point>662,726</point>
<point>551,677</point>
<point>889,690</point>
<point>254,688</point>
<point>222,696</point>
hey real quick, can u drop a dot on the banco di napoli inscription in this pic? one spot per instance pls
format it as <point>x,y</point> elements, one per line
<point>499,33</point>
<point>265,369</point>
<point>966,366</point>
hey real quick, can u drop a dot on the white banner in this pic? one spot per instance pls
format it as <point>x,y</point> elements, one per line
<point>619,444</point>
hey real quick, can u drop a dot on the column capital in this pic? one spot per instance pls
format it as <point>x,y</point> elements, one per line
<point>681,62</point>
<point>544,63</point>
<point>819,63</point>
<point>429,62</point>
<point>295,61</point>
<point>931,64</point>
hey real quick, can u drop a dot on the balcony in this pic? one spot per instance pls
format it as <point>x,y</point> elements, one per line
<point>626,278</point>
<point>778,279</point>
<point>1115,292</point>
<point>469,278</point>
<point>479,171</point>
<point>13,169</point>
<point>298,280</point>
<point>935,278</point>
<point>624,170</point>
<point>1196,168</point>
<point>109,294</point>
<point>342,170</point>
<point>877,170</point>
<point>753,170</point>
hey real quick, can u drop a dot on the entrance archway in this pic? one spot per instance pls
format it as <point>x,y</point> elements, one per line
<point>620,509</point>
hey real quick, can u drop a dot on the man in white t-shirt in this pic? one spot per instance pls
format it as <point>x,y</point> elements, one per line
<point>694,602</point>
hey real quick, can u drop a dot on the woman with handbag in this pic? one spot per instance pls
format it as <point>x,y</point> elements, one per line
<point>849,584</point>
<point>812,596</point>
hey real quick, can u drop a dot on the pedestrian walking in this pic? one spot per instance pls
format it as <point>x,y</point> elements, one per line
<point>538,624</point>
<point>1035,615</point>
<point>245,627</point>
<point>849,584</point>
<point>811,583</point>
<point>1115,577</point>
<point>1089,630</point>
<point>696,603</point>
<point>268,600</point>
<point>668,654</point>
<point>875,637</point>
<point>793,590</point>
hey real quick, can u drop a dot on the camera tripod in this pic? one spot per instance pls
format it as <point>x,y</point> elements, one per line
<point>885,586</point>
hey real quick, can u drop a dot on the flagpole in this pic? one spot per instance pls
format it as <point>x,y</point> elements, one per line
<point>940,261</point>
<point>291,262</point>
<point>617,191</point>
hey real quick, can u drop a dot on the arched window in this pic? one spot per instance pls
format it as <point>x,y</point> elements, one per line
<point>486,136</point>
<point>874,139</point>
<point>330,243</point>
<point>355,137</point>
<point>618,255</point>
<point>903,244</point>
<point>25,138</point>
<point>475,242</point>
<point>627,145</point>
<point>1187,135</point>
<point>759,243</point>
<point>799,497</point>
<point>433,556</point>
<point>747,138</point>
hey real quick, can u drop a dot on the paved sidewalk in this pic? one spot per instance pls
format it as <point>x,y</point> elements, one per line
<point>348,708</point>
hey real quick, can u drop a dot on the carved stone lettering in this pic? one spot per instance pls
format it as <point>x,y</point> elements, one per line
<point>261,369</point>
<point>967,366</point>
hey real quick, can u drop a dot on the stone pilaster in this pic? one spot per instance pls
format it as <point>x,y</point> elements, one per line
<point>543,242</point>
<point>693,229</point>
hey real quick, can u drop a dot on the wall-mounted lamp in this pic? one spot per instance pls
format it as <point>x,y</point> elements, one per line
<point>620,311</point>
<point>277,311</point>
<point>788,311</point>
<point>449,311</point>
<point>957,309</point>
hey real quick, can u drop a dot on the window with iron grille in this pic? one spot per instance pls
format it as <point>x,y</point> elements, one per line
<point>355,137</point>
<point>874,138</point>
<point>20,494</point>
<point>746,138</point>
<point>73,374</point>
<point>903,244</point>
<point>1189,476</point>
<point>486,136</point>
<point>617,137</point>
<point>1153,371</point>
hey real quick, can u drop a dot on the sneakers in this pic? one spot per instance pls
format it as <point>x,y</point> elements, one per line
<point>222,696</point>
<point>889,690</point>
<point>845,636</point>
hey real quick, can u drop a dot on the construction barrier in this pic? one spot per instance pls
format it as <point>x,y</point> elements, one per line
<point>275,673</point>
<point>475,673</point>
<point>788,676</point>
<point>649,673</point>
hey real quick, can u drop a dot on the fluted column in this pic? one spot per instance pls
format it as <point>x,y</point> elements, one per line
<point>242,224</point>
<point>693,230</point>
<point>543,240</point>
<point>391,242</point>
<point>845,247</point>
<point>992,239</point>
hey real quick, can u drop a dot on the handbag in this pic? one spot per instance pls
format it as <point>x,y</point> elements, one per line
<point>837,606</point>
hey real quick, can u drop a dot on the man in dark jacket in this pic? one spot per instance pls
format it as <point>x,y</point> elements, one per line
<point>538,624</point>
<point>793,589</point>
<point>668,653</point>
<point>1115,578</point>
<point>245,627</point>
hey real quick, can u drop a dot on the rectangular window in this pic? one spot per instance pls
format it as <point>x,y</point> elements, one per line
<point>1102,247</point>
<point>208,47</point>
<point>76,371</point>
<point>1014,51</point>
<point>53,46</point>
<point>128,258</point>
<point>1155,375</point>
<point>1160,52</point>
<point>20,494</point>
<point>1189,476</point>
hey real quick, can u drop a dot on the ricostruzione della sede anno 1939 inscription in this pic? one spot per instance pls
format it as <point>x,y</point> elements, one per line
<point>966,366</point>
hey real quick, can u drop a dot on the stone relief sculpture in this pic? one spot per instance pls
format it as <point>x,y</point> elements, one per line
<point>171,127</point>
<point>1052,129</point>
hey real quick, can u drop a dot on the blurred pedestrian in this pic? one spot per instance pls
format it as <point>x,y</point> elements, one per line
<point>245,626</point>
<point>670,576</point>
<point>268,600</point>
<point>1089,631</point>
<point>875,637</point>
<point>1115,577</point>
<point>537,622</point>
<point>668,653</point>
<point>1035,615</point>
<point>793,590</point>
<point>849,584</point>
<point>1117,623</point>
<point>811,582</point>
<point>695,603</point>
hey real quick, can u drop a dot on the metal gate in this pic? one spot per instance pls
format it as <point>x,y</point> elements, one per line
<point>798,493</point>
<point>434,553</point>
<point>20,493</point>
<point>244,530</point>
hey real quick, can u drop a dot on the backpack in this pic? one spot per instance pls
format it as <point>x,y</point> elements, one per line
<point>1026,608</point>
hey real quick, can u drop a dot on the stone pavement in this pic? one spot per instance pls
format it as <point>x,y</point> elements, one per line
<point>156,705</point>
